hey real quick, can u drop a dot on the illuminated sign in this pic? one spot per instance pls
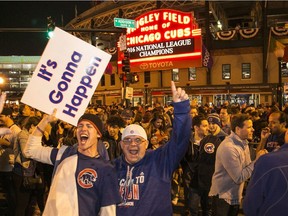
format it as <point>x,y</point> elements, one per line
<point>164,39</point>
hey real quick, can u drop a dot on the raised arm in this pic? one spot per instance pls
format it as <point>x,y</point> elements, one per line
<point>176,147</point>
<point>34,148</point>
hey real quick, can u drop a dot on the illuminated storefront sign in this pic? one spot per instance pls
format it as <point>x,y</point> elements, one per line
<point>164,39</point>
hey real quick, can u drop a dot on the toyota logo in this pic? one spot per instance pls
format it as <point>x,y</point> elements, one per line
<point>144,66</point>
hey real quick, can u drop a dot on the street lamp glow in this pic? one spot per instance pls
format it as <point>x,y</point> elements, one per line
<point>1,80</point>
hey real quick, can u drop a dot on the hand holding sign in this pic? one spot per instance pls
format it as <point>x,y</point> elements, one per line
<point>50,118</point>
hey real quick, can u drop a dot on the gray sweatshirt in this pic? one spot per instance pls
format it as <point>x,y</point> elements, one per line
<point>233,167</point>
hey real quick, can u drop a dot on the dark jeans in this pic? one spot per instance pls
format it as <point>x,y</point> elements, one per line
<point>8,188</point>
<point>24,197</point>
<point>222,208</point>
<point>197,197</point>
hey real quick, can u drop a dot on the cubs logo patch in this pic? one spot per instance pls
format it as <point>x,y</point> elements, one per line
<point>86,178</point>
<point>209,148</point>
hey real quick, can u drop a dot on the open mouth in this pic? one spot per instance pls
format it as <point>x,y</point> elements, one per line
<point>133,152</point>
<point>84,138</point>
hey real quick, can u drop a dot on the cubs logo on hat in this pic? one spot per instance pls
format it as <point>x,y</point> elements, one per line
<point>134,129</point>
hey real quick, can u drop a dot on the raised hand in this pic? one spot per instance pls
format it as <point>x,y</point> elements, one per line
<point>52,117</point>
<point>178,94</point>
<point>40,128</point>
<point>265,133</point>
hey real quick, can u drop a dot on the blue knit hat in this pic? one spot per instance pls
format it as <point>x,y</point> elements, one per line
<point>214,119</point>
<point>95,121</point>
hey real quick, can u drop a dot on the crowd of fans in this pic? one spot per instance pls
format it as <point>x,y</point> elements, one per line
<point>157,122</point>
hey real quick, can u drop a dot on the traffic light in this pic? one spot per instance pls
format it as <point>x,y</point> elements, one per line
<point>126,62</point>
<point>50,27</point>
<point>127,77</point>
<point>135,78</point>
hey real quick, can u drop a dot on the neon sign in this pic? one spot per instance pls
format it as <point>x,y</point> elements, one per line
<point>164,35</point>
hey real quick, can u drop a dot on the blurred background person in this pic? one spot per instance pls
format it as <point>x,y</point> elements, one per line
<point>112,136</point>
<point>26,167</point>
<point>189,165</point>
<point>128,116</point>
<point>24,112</point>
<point>156,131</point>
<point>193,111</point>
<point>272,137</point>
<point>7,156</point>
<point>215,126</point>
<point>225,117</point>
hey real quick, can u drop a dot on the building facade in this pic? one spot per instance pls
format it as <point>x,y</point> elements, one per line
<point>244,70</point>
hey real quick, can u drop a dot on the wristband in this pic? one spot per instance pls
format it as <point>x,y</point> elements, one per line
<point>39,129</point>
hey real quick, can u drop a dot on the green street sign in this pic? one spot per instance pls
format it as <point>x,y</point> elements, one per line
<point>124,23</point>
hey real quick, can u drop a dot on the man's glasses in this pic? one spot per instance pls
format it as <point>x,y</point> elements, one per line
<point>137,141</point>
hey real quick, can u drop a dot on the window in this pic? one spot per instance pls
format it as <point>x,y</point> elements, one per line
<point>112,79</point>
<point>246,71</point>
<point>27,66</point>
<point>147,77</point>
<point>226,71</point>
<point>175,74</point>
<point>24,73</point>
<point>17,66</point>
<point>191,73</point>
<point>103,80</point>
<point>7,66</point>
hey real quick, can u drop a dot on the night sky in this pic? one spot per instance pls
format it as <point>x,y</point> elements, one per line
<point>33,14</point>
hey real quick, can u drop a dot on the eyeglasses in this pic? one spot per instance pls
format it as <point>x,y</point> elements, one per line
<point>137,141</point>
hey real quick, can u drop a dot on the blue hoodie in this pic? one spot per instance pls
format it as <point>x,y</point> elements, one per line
<point>145,187</point>
<point>267,192</point>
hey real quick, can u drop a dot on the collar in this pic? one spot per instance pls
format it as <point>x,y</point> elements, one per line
<point>237,140</point>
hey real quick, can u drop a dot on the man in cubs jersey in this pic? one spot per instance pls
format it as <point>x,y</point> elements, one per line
<point>83,183</point>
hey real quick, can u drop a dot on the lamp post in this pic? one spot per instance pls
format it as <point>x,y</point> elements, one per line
<point>279,53</point>
<point>228,91</point>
